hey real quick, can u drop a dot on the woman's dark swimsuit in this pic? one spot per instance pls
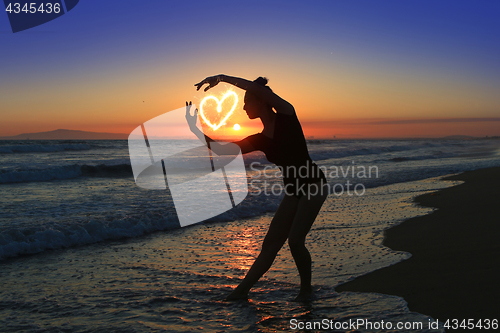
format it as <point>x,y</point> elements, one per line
<point>288,150</point>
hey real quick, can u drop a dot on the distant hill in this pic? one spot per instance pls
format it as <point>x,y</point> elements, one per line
<point>65,134</point>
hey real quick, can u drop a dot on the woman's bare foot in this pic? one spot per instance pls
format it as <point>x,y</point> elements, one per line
<point>237,296</point>
<point>304,296</point>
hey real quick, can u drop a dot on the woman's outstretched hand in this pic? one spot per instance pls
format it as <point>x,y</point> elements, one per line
<point>212,81</point>
<point>191,120</point>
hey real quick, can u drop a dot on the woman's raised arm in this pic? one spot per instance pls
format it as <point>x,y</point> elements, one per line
<point>266,95</point>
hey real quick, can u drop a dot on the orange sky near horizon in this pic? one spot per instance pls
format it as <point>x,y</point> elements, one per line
<point>345,107</point>
<point>333,99</point>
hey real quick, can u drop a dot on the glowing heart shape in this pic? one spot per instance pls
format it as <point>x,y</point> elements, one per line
<point>219,108</point>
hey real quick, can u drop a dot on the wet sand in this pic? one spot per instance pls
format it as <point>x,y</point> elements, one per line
<point>455,265</point>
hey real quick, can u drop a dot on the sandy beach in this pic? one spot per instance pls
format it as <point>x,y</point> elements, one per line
<point>455,265</point>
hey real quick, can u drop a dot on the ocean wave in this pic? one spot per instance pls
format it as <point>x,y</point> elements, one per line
<point>103,170</point>
<point>32,240</point>
<point>253,160</point>
<point>52,236</point>
<point>26,174</point>
<point>343,152</point>
<point>419,158</point>
<point>443,149</point>
<point>324,153</point>
<point>42,148</point>
<point>404,159</point>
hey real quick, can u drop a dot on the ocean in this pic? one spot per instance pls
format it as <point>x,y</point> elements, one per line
<point>80,199</point>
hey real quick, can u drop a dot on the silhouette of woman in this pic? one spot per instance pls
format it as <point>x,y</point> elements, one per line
<point>283,143</point>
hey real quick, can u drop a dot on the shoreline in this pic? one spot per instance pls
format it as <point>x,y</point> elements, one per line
<point>454,269</point>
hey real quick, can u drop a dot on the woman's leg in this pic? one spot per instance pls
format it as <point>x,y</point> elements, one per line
<point>274,240</point>
<point>307,209</point>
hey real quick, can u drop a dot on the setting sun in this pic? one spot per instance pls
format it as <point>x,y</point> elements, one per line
<point>236,127</point>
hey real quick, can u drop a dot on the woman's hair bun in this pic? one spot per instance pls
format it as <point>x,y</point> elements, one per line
<point>261,80</point>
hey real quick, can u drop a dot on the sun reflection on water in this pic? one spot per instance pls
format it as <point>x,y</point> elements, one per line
<point>244,247</point>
